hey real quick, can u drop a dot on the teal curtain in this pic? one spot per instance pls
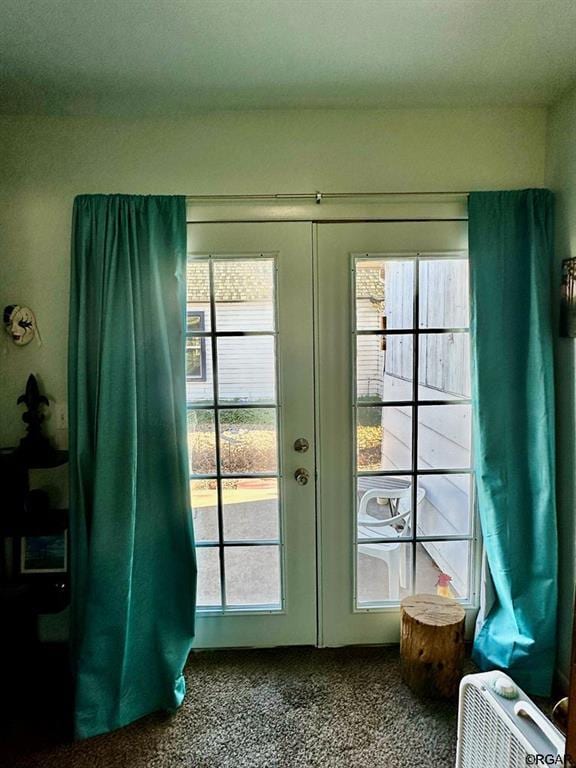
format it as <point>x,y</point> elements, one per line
<point>510,242</point>
<point>132,548</point>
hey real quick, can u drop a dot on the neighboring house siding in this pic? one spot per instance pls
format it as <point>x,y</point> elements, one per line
<point>246,369</point>
<point>369,356</point>
<point>246,364</point>
<point>244,301</point>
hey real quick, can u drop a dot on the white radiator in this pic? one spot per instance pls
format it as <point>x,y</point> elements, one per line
<point>500,727</point>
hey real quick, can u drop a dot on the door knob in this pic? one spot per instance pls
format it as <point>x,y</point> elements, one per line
<point>301,476</point>
<point>301,445</point>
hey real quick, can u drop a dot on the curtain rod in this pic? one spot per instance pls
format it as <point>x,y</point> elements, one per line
<point>317,197</point>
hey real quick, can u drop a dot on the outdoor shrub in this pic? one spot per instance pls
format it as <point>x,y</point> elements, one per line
<point>246,417</point>
<point>237,417</point>
<point>242,452</point>
<point>251,448</point>
<point>369,417</point>
<point>369,446</point>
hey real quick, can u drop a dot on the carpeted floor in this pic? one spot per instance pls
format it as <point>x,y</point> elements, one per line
<point>284,708</point>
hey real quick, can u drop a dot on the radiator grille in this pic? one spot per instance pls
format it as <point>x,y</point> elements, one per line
<point>486,739</point>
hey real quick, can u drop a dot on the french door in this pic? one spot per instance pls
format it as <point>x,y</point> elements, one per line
<point>395,491</point>
<point>329,427</point>
<point>250,382</point>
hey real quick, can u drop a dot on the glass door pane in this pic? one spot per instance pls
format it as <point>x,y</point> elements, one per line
<point>241,296</point>
<point>413,414</point>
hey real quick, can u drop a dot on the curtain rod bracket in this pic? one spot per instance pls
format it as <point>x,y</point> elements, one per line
<point>318,198</point>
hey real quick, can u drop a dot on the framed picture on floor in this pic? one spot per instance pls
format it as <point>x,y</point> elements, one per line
<point>44,554</point>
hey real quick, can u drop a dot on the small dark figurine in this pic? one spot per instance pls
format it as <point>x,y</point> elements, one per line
<point>34,444</point>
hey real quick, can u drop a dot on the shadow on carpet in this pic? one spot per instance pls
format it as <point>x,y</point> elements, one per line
<point>284,708</point>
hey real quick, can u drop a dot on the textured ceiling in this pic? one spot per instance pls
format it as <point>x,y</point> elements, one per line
<point>162,57</point>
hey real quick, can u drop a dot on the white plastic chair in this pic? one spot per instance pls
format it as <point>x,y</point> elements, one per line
<point>389,528</point>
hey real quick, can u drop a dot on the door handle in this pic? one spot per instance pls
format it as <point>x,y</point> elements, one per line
<point>301,476</point>
<point>301,445</point>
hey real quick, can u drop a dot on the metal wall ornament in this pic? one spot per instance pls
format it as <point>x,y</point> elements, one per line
<point>34,445</point>
<point>568,299</point>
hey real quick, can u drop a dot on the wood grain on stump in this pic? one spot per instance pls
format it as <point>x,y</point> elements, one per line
<point>432,644</point>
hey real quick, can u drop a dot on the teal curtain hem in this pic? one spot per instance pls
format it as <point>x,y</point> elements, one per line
<point>85,727</point>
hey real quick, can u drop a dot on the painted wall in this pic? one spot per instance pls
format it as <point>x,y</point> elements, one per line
<point>561,177</point>
<point>45,162</point>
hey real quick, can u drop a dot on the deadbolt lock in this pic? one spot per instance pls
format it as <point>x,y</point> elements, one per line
<point>301,445</point>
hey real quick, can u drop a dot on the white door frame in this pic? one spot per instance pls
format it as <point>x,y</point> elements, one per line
<point>401,207</point>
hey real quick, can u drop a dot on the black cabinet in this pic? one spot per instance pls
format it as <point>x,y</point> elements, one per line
<point>34,568</point>
<point>34,580</point>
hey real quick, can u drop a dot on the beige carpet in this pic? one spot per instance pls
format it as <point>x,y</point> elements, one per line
<point>284,708</point>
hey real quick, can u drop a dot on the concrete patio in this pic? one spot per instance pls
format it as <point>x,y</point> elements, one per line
<point>253,573</point>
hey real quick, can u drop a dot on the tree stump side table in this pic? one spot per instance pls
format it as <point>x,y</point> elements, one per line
<point>432,645</point>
